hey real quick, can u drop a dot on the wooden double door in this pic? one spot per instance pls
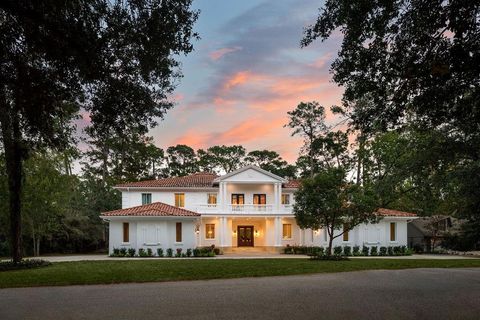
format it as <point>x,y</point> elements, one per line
<point>245,236</point>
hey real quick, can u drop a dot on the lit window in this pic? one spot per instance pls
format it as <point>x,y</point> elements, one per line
<point>210,231</point>
<point>285,198</point>
<point>126,232</point>
<point>345,232</point>
<point>180,200</point>
<point>212,198</point>
<point>238,198</point>
<point>146,198</point>
<point>287,231</point>
<point>178,233</point>
<point>259,199</point>
<point>393,230</point>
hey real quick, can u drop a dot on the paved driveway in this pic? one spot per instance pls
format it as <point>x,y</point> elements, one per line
<point>400,294</point>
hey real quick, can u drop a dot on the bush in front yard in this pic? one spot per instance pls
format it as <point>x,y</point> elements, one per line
<point>189,252</point>
<point>179,253</point>
<point>356,251</point>
<point>374,251</point>
<point>131,252</point>
<point>390,251</point>
<point>149,252</point>
<point>160,252</point>
<point>365,250</point>
<point>123,252</point>
<point>23,264</point>
<point>115,253</point>
<point>383,251</point>
<point>169,252</point>
<point>337,250</point>
<point>142,252</point>
<point>347,250</point>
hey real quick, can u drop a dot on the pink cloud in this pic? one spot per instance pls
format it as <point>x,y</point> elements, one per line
<point>217,54</point>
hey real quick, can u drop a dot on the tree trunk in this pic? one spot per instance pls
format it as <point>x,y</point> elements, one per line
<point>37,247</point>
<point>9,122</point>
<point>330,242</point>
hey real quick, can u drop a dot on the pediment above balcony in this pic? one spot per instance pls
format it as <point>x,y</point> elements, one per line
<point>250,174</point>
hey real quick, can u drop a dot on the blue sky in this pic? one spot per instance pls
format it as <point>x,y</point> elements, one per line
<point>246,72</point>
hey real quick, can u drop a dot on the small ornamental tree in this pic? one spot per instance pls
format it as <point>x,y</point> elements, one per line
<point>331,202</point>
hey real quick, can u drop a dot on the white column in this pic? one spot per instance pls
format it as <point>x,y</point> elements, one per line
<point>225,232</point>
<point>275,197</point>
<point>278,231</point>
<point>221,231</point>
<point>220,199</point>
<point>225,198</point>
<point>279,196</point>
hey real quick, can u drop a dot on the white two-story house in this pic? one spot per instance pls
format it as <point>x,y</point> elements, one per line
<point>249,207</point>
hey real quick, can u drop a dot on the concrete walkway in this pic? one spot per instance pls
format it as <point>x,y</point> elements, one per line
<point>380,294</point>
<point>242,255</point>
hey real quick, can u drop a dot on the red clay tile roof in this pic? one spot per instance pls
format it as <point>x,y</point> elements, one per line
<point>156,209</point>
<point>394,213</point>
<point>293,184</point>
<point>196,180</point>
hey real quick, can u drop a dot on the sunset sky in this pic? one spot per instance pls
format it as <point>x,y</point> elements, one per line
<point>246,72</point>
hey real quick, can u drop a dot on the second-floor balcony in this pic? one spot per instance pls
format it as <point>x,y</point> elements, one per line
<point>244,209</point>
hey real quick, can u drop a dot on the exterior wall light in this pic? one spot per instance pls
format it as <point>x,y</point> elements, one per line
<point>234,233</point>
<point>257,233</point>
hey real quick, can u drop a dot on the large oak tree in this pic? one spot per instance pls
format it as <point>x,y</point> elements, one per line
<point>57,57</point>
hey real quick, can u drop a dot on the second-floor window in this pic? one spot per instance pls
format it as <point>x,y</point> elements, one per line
<point>146,198</point>
<point>180,200</point>
<point>212,198</point>
<point>259,199</point>
<point>238,198</point>
<point>285,198</point>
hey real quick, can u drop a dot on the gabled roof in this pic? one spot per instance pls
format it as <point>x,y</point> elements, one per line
<point>156,209</point>
<point>394,213</point>
<point>250,167</point>
<point>196,180</point>
<point>292,184</point>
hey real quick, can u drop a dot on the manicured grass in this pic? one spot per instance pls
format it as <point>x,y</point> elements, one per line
<point>105,272</point>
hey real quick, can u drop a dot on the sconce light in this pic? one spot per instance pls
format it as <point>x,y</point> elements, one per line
<point>197,229</point>
<point>257,233</point>
<point>234,233</point>
<point>316,232</point>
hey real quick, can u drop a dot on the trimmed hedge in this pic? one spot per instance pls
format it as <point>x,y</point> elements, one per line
<point>346,251</point>
<point>24,264</point>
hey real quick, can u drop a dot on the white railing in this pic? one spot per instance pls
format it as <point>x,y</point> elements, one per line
<point>243,208</point>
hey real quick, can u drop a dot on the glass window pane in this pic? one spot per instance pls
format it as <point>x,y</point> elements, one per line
<point>180,200</point>
<point>178,235</point>
<point>146,198</point>
<point>287,231</point>
<point>210,231</point>
<point>126,232</point>
<point>393,235</point>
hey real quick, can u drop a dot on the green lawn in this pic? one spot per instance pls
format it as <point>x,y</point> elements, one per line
<point>96,272</point>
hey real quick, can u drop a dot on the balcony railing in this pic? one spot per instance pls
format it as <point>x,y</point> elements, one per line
<point>243,208</point>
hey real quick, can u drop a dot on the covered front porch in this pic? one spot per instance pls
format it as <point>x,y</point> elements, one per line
<point>248,234</point>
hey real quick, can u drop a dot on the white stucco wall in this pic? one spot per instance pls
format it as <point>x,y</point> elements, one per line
<point>154,233</point>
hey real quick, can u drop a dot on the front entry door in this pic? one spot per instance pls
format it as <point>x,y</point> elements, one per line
<point>245,236</point>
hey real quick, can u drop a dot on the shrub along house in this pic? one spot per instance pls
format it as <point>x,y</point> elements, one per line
<point>247,208</point>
